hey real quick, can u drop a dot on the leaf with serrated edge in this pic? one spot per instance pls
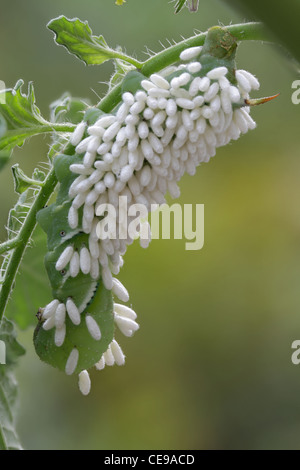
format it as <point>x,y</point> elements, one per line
<point>68,109</point>
<point>77,37</point>
<point>20,110</point>
<point>20,119</point>
<point>22,182</point>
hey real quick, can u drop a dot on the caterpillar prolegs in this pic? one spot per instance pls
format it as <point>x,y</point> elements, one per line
<point>166,125</point>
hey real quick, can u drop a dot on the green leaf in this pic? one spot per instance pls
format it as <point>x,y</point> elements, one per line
<point>38,175</point>
<point>21,119</point>
<point>77,37</point>
<point>8,388</point>
<point>23,182</point>
<point>19,110</point>
<point>68,109</point>
<point>121,69</point>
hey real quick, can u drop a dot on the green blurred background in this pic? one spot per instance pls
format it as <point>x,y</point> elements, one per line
<point>211,365</point>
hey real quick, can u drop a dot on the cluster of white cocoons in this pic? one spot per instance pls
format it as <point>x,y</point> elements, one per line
<point>166,129</point>
<point>113,355</point>
<point>54,316</point>
<point>142,151</point>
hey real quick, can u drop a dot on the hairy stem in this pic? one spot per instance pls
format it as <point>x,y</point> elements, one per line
<point>22,239</point>
<point>9,245</point>
<point>43,129</point>
<point>242,32</point>
<point>126,58</point>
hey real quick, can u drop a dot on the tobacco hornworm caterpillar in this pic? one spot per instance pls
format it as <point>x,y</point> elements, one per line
<point>165,126</point>
<point>73,291</point>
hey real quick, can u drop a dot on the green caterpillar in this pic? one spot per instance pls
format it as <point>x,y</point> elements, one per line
<point>165,126</point>
<point>92,298</point>
<point>80,334</point>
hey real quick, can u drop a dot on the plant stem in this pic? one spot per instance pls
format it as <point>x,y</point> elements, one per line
<point>21,240</point>
<point>9,245</point>
<point>18,138</point>
<point>242,32</point>
<point>126,58</point>
<point>169,56</point>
